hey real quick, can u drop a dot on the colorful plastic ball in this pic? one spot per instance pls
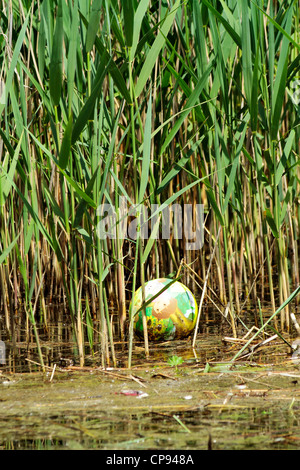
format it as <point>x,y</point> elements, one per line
<point>170,315</point>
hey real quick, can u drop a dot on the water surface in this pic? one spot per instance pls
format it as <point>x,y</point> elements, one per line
<point>206,402</point>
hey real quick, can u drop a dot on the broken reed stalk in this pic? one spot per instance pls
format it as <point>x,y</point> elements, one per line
<point>292,296</point>
<point>204,288</point>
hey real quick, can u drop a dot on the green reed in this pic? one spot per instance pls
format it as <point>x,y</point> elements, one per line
<point>159,102</point>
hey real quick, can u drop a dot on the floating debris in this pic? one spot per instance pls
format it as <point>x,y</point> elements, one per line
<point>65,362</point>
<point>188,397</point>
<point>296,350</point>
<point>133,393</point>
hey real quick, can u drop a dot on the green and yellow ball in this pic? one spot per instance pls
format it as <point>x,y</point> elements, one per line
<point>170,315</point>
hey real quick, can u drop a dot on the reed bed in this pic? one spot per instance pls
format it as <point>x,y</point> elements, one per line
<point>158,102</point>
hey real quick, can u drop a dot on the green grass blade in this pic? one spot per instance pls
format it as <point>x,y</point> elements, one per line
<point>88,108</point>
<point>81,193</point>
<point>212,199</point>
<point>121,187</point>
<point>113,69</point>
<point>246,51</point>
<point>254,92</point>
<point>225,23</point>
<point>155,50</point>
<point>8,249</point>
<point>56,57</point>
<point>72,51</point>
<point>174,196</point>
<point>128,16</point>
<point>151,240</point>
<point>41,47</point>
<point>138,18</point>
<point>6,185</point>
<point>192,100</point>
<point>282,164</point>
<point>239,138</point>
<point>66,145</point>
<point>199,37</point>
<point>34,215</point>
<point>94,24</point>
<point>146,152</point>
<point>178,166</point>
<point>83,203</point>
<point>109,158</point>
<point>280,79</point>
<point>13,63</point>
<point>280,28</point>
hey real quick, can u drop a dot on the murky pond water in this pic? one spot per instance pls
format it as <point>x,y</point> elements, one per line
<point>206,402</point>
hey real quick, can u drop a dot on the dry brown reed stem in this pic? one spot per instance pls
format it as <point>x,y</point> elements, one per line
<point>204,289</point>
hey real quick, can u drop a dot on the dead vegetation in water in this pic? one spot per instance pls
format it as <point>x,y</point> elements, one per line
<point>154,404</point>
